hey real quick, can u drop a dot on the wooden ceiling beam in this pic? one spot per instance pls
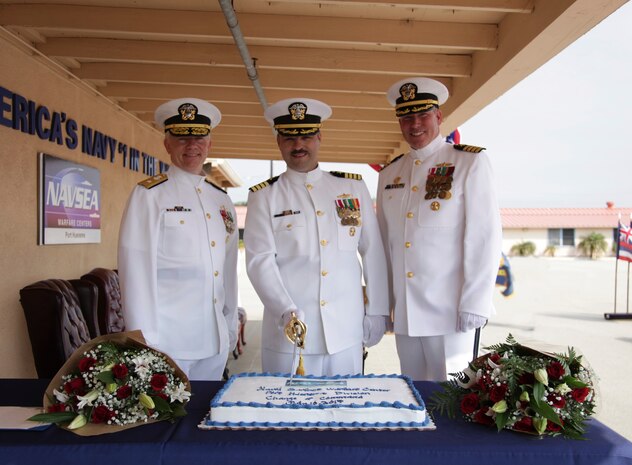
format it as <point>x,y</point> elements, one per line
<point>232,77</point>
<point>504,6</point>
<point>275,57</point>
<point>122,91</point>
<point>257,28</point>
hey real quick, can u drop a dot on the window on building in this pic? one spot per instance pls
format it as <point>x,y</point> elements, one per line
<point>562,236</point>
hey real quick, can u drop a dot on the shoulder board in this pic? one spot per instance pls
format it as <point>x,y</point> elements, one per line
<point>394,159</point>
<point>153,181</point>
<point>208,181</point>
<point>469,148</point>
<point>261,185</point>
<point>340,174</point>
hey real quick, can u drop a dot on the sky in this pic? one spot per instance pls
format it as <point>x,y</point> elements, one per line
<point>556,139</point>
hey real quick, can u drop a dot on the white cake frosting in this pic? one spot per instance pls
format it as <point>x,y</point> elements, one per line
<point>274,401</point>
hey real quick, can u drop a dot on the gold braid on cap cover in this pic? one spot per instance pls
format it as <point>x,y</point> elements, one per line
<point>295,331</point>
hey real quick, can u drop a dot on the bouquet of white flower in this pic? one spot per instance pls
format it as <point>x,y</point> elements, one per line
<point>115,382</point>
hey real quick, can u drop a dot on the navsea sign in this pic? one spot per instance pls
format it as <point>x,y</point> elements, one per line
<point>70,202</point>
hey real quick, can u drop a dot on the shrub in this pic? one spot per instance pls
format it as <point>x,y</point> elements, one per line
<point>550,251</point>
<point>594,245</point>
<point>523,249</point>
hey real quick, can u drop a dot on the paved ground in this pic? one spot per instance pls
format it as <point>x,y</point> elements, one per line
<point>558,301</point>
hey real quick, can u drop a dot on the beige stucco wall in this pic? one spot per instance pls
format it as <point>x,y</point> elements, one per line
<point>22,261</point>
<point>540,238</point>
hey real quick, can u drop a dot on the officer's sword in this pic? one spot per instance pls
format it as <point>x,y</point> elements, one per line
<point>295,331</point>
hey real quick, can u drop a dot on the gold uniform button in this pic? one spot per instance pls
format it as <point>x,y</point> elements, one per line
<point>216,273</point>
<point>319,213</point>
<point>288,226</point>
<point>410,215</point>
<point>323,303</point>
<point>199,190</point>
<point>417,162</point>
<point>181,221</point>
<point>408,244</point>
<point>323,242</point>
<point>324,273</point>
<point>208,215</point>
<point>212,243</point>
<point>410,274</point>
<point>309,186</point>
<point>415,188</point>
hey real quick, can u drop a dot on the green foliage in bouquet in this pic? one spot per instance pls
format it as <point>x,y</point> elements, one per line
<point>118,385</point>
<point>518,388</point>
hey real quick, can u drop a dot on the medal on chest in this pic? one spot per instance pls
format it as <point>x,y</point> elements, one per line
<point>348,210</point>
<point>439,184</point>
<point>229,221</point>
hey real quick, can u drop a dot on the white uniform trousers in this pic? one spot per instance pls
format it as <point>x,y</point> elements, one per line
<point>432,358</point>
<point>345,362</point>
<point>206,369</point>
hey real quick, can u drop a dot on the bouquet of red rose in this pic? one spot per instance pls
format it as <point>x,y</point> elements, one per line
<point>115,382</point>
<point>522,389</point>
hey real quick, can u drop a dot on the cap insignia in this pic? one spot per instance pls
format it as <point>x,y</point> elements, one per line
<point>298,111</point>
<point>187,111</point>
<point>408,91</point>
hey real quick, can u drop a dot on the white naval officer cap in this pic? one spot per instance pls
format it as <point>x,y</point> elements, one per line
<point>416,95</point>
<point>297,116</point>
<point>187,117</point>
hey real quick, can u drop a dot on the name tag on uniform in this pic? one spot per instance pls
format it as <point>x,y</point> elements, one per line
<point>178,209</point>
<point>287,213</point>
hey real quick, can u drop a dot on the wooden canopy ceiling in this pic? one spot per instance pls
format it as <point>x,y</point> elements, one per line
<point>139,53</point>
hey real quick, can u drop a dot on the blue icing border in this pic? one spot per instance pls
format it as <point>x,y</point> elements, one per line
<point>216,403</point>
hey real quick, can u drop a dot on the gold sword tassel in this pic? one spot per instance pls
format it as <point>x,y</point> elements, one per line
<point>295,331</point>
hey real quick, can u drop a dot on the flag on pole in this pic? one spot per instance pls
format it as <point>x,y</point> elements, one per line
<point>454,137</point>
<point>624,246</point>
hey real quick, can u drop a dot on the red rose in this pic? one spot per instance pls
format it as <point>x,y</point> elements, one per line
<point>553,427</point>
<point>495,357</point>
<point>556,400</point>
<point>124,392</point>
<point>120,371</point>
<point>524,424</point>
<point>158,381</point>
<point>74,386</point>
<point>481,417</point>
<point>469,403</point>
<point>526,378</point>
<point>555,370</point>
<point>102,414</point>
<point>86,363</point>
<point>56,408</point>
<point>580,394</point>
<point>498,393</point>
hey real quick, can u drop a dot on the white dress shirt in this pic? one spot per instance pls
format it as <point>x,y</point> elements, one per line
<point>299,255</point>
<point>178,265</point>
<point>443,253</point>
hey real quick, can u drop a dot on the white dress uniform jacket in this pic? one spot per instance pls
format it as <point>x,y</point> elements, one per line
<point>443,257</point>
<point>299,255</point>
<point>178,265</point>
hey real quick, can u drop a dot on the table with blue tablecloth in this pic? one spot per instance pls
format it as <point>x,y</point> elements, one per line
<point>454,442</point>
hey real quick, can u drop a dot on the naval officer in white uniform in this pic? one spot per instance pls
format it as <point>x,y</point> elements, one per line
<point>311,238</point>
<point>178,250</point>
<point>441,227</point>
